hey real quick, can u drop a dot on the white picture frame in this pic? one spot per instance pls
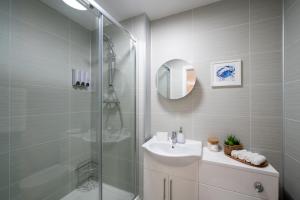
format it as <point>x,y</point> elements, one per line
<point>226,73</point>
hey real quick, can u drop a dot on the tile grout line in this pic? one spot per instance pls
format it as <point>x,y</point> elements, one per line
<point>69,105</point>
<point>194,50</point>
<point>250,76</point>
<point>9,99</point>
<point>292,157</point>
<point>283,96</point>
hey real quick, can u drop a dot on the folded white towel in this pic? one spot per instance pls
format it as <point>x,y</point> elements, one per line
<point>234,153</point>
<point>253,158</point>
<point>248,156</point>
<point>242,155</point>
<point>258,160</point>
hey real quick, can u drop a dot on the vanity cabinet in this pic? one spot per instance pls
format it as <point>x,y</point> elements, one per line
<point>161,186</point>
<point>182,189</point>
<point>155,185</point>
<point>170,181</point>
<point>221,177</point>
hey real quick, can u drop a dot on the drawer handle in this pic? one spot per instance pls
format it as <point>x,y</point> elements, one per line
<point>258,187</point>
<point>171,189</point>
<point>164,197</point>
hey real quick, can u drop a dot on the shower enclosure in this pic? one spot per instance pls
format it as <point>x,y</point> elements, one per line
<point>59,140</point>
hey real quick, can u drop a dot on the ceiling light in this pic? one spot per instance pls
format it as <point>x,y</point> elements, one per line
<point>75,4</point>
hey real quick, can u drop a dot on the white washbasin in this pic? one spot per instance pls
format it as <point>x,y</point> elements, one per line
<point>191,149</point>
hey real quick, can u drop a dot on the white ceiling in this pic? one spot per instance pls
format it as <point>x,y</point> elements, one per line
<point>155,9</point>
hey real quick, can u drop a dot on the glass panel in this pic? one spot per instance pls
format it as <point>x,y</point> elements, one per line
<point>118,121</point>
<point>49,120</point>
<point>4,100</point>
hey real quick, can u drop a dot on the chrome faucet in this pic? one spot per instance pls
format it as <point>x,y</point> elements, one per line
<point>174,138</point>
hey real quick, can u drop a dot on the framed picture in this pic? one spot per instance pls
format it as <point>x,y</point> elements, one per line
<point>226,73</point>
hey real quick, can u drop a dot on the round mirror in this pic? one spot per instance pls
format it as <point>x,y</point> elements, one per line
<point>175,79</point>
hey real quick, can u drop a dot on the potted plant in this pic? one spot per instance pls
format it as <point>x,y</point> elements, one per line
<point>232,143</point>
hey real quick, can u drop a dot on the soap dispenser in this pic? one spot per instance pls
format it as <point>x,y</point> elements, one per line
<point>180,137</point>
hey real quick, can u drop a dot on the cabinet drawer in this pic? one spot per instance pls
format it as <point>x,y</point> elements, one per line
<point>213,193</point>
<point>238,180</point>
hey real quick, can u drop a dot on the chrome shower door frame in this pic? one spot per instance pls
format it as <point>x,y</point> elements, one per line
<point>99,12</point>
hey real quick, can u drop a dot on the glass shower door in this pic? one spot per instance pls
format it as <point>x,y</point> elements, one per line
<point>46,123</point>
<point>118,114</point>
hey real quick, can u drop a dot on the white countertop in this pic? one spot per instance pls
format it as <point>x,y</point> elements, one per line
<point>219,158</point>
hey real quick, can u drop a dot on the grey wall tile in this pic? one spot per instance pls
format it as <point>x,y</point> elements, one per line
<point>292,31</point>
<point>162,122</point>
<point>4,60</point>
<point>30,161</point>
<point>30,42</point>
<point>266,100</point>
<point>80,57</point>
<point>32,130</point>
<point>267,133</point>
<point>4,173</point>
<point>40,72</point>
<point>292,138</point>
<point>35,100</point>
<point>292,100</point>
<point>289,3</point>
<point>266,68</point>
<point>80,138</point>
<point>292,71</point>
<point>80,35</point>
<point>4,193</point>
<point>40,15</point>
<point>4,5</point>
<point>221,15</point>
<point>171,38</point>
<point>265,9</point>
<point>4,102</point>
<point>162,105</point>
<point>4,135</point>
<point>221,126</point>
<point>32,188</point>
<point>215,44</point>
<point>266,35</point>
<point>220,101</point>
<point>80,100</point>
<point>172,122</point>
<point>4,24</point>
<point>273,157</point>
<point>292,177</point>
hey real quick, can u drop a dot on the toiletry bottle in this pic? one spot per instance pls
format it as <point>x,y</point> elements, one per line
<point>180,136</point>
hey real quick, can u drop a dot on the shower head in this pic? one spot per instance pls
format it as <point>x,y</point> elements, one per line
<point>112,53</point>
<point>112,59</point>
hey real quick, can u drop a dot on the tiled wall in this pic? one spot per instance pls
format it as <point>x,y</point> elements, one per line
<point>250,30</point>
<point>39,109</point>
<point>292,99</point>
<point>139,26</point>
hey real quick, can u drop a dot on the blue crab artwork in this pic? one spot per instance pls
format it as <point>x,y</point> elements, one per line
<point>226,72</point>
